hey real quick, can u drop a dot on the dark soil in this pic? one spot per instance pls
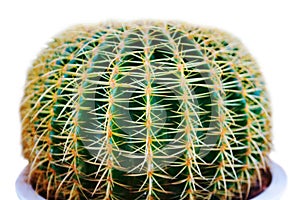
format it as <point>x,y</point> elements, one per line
<point>266,180</point>
<point>256,189</point>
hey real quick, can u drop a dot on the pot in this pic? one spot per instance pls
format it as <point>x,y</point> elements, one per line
<point>274,190</point>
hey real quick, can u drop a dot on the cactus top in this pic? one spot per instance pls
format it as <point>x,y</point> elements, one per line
<point>145,110</point>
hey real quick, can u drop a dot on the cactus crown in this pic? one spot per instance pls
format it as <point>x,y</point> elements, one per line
<point>145,110</point>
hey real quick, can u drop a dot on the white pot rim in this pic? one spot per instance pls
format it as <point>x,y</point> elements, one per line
<point>274,191</point>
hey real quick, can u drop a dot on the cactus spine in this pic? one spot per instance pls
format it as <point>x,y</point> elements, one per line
<point>145,110</point>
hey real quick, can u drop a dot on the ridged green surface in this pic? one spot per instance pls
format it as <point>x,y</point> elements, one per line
<point>145,110</point>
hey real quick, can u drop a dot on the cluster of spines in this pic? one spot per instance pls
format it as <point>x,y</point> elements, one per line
<point>93,63</point>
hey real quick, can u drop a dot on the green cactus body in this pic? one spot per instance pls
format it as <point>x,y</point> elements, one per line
<point>145,110</point>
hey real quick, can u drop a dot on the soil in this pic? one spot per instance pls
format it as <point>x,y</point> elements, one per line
<point>266,180</point>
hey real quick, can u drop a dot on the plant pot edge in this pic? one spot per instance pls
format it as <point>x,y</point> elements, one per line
<point>278,184</point>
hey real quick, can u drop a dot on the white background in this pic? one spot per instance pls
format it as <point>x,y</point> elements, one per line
<point>270,30</point>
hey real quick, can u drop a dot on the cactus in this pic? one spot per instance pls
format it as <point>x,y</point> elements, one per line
<point>145,110</point>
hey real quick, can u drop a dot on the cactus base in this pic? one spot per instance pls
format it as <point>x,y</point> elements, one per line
<point>274,191</point>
